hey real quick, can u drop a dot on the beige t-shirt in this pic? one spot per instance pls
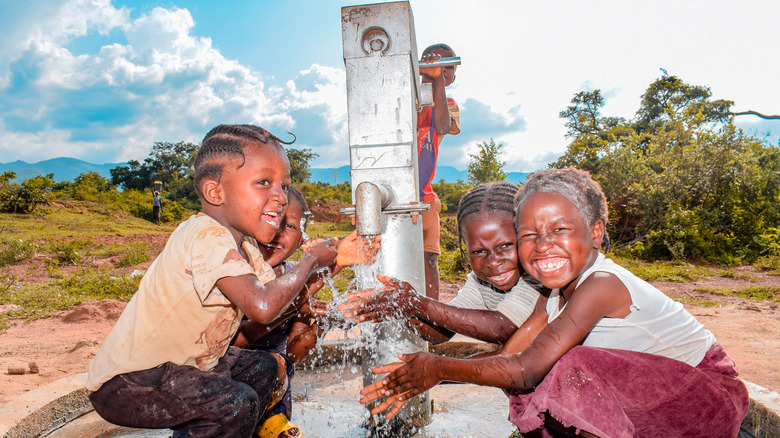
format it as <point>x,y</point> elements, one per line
<point>178,314</point>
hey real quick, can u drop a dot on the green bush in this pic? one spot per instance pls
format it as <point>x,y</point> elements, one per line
<point>450,194</point>
<point>67,253</point>
<point>42,300</point>
<point>134,254</point>
<point>16,250</point>
<point>451,266</point>
<point>769,242</point>
<point>313,192</point>
<point>89,187</point>
<point>448,233</point>
<point>24,197</point>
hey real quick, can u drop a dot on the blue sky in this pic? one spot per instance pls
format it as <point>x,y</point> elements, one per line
<point>103,80</point>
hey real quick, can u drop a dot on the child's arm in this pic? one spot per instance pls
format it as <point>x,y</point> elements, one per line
<point>600,295</point>
<point>437,321</point>
<point>305,330</point>
<point>442,122</point>
<point>527,332</point>
<point>264,303</point>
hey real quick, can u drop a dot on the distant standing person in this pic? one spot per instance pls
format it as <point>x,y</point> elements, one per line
<point>433,123</point>
<point>156,207</point>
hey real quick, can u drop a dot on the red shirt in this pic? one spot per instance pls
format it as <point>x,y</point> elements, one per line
<point>428,145</point>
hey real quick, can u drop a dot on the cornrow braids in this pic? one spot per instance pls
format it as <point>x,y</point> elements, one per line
<point>490,196</point>
<point>574,184</point>
<point>224,142</point>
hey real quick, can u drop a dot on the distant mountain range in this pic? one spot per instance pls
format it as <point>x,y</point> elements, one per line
<point>67,169</point>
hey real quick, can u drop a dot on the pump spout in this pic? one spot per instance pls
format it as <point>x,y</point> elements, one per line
<point>370,200</point>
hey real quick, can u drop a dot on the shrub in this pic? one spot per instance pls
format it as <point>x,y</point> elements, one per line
<point>16,250</point>
<point>67,253</point>
<point>134,254</point>
<point>24,197</point>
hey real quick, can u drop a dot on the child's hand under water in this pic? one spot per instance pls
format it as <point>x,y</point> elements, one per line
<point>324,252</point>
<point>395,299</point>
<point>357,250</point>
<point>416,374</point>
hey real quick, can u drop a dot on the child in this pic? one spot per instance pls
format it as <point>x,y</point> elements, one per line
<point>295,337</point>
<point>496,298</point>
<point>433,123</point>
<point>618,357</point>
<point>167,361</point>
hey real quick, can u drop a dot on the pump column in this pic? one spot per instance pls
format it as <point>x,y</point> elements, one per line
<point>380,56</point>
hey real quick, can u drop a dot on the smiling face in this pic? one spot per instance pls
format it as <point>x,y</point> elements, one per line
<point>554,243</point>
<point>491,244</point>
<point>253,195</point>
<point>289,236</point>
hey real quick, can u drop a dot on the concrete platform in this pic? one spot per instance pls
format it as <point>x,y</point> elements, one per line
<point>321,402</point>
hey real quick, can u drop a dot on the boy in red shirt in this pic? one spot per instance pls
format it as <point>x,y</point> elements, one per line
<point>433,123</point>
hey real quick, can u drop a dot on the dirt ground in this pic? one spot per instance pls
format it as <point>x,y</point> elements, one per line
<point>63,346</point>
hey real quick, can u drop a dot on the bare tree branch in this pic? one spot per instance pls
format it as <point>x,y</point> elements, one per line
<point>742,113</point>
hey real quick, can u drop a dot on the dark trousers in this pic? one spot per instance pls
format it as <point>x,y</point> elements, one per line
<point>275,341</point>
<point>227,401</point>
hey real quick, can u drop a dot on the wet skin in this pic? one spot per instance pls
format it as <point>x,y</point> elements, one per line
<point>288,237</point>
<point>249,199</point>
<point>252,196</point>
<point>491,242</point>
<point>556,244</point>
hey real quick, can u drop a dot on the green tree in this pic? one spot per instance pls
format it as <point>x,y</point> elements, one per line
<point>27,196</point>
<point>450,194</point>
<point>134,176</point>
<point>681,180</point>
<point>592,134</point>
<point>485,164</point>
<point>170,163</point>
<point>90,187</point>
<point>300,169</point>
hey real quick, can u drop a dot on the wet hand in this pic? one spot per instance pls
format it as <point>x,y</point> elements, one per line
<point>315,282</point>
<point>318,309</point>
<point>355,249</point>
<point>324,253</point>
<point>308,244</point>
<point>396,299</point>
<point>414,375</point>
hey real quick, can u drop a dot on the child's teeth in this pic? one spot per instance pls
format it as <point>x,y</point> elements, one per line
<point>551,266</point>
<point>500,276</point>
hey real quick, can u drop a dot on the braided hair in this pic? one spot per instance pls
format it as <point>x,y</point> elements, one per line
<point>574,184</point>
<point>224,142</point>
<point>489,196</point>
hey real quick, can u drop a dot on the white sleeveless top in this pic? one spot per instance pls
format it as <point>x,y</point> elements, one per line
<point>657,324</point>
<point>516,304</point>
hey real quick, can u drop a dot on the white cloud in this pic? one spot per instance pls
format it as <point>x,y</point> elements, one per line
<point>165,84</point>
<point>149,77</point>
<point>317,99</point>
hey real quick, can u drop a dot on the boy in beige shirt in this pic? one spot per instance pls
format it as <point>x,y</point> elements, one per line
<point>167,361</point>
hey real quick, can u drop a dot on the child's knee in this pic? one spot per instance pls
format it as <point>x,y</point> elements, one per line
<point>281,371</point>
<point>238,411</point>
